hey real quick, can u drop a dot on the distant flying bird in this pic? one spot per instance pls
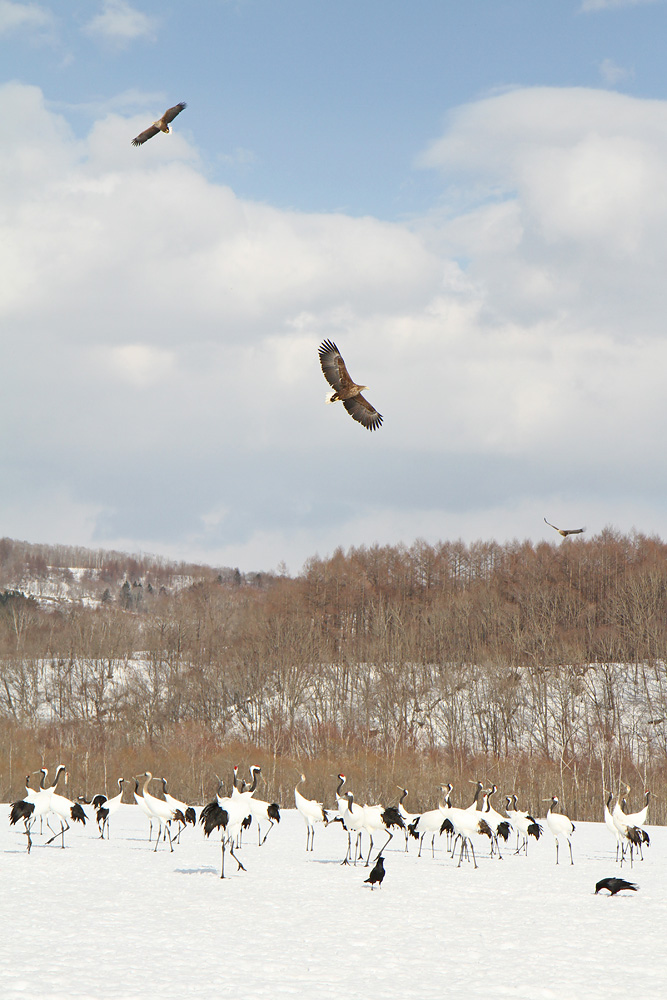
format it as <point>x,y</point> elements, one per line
<point>614,885</point>
<point>161,125</point>
<point>345,389</point>
<point>565,531</point>
<point>377,873</point>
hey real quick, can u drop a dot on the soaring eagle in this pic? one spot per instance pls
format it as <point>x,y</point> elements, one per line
<point>345,389</point>
<point>565,531</point>
<point>162,125</point>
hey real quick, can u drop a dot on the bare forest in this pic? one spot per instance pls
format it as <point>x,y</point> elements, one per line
<point>542,668</point>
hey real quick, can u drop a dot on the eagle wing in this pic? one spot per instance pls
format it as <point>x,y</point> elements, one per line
<point>143,137</point>
<point>360,409</point>
<point>334,368</point>
<point>171,113</point>
<point>564,531</point>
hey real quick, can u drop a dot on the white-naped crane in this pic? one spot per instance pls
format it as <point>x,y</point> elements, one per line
<point>181,809</point>
<point>64,808</point>
<point>312,812</point>
<point>35,803</point>
<point>260,810</point>
<point>560,825</point>
<point>105,808</point>
<point>407,817</point>
<point>161,810</point>
<point>225,813</point>
<point>525,825</point>
<point>380,819</point>
<point>141,802</point>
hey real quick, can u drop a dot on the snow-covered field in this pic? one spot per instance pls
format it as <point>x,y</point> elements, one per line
<point>112,919</point>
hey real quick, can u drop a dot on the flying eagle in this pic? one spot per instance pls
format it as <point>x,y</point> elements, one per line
<point>345,389</point>
<point>565,531</point>
<point>162,125</point>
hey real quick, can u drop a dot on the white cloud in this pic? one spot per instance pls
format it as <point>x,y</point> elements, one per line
<point>159,339</point>
<point>119,22</point>
<point>29,17</point>
<point>612,73</point>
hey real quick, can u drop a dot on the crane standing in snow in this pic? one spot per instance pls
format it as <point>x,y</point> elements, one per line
<point>560,825</point>
<point>312,812</point>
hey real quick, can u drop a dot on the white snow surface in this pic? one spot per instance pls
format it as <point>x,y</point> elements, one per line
<point>112,920</point>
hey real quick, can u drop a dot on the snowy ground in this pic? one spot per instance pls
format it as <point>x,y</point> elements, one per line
<point>114,920</point>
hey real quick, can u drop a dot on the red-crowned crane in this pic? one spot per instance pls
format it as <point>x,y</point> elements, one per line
<point>408,818</point>
<point>525,825</point>
<point>613,828</point>
<point>35,803</point>
<point>638,818</point>
<point>429,822</point>
<point>225,813</point>
<point>181,809</point>
<point>161,810</point>
<point>378,818</point>
<point>105,808</point>
<point>631,836</point>
<point>560,825</point>
<point>466,823</point>
<point>499,825</point>
<point>260,810</point>
<point>64,808</point>
<point>353,820</point>
<point>312,812</point>
<point>139,799</point>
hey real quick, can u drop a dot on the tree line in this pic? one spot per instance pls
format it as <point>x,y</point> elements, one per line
<point>541,668</point>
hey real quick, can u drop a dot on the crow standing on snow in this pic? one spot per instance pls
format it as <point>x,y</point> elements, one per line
<point>377,873</point>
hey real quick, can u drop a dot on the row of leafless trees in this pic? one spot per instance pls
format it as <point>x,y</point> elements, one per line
<point>540,668</point>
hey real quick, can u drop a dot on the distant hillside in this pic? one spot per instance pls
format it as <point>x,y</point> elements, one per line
<point>65,574</point>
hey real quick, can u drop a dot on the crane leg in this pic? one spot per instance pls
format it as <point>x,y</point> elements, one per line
<point>384,848</point>
<point>60,833</point>
<point>231,851</point>
<point>570,846</point>
<point>268,831</point>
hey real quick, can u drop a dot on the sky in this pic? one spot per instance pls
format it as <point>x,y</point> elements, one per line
<point>468,198</point>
